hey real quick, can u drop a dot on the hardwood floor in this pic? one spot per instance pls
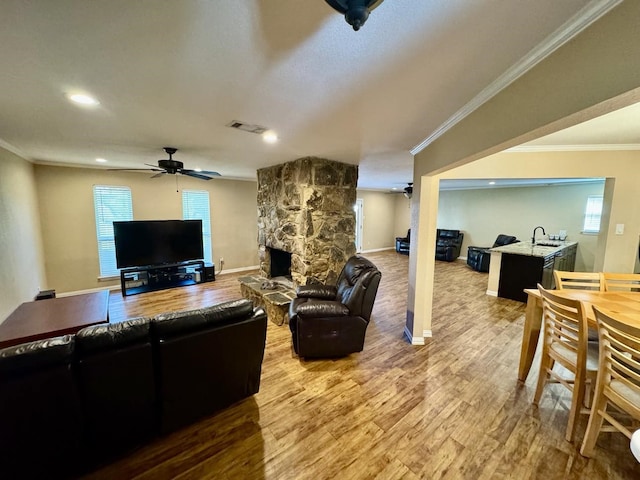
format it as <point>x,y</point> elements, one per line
<point>449,409</point>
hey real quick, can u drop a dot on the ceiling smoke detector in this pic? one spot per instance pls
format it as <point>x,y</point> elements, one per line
<point>355,12</point>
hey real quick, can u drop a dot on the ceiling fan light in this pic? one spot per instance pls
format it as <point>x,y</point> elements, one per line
<point>355,12</point>
<point>356,17</point>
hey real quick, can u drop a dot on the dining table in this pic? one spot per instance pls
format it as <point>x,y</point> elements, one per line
<point>622,302</point>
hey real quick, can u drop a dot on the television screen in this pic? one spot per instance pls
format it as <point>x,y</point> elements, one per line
<point>155,242</point>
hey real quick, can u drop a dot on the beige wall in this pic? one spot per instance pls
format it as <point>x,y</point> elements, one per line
<point>484,213</point>
<point>621,166</point>
<point>22,271</point>
<point>68,220</point>
<point>594,73</point>
<point>378,223</point>
<point>402,216</point>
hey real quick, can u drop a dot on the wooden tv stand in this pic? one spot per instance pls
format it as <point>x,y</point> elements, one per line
<point>158,277</point>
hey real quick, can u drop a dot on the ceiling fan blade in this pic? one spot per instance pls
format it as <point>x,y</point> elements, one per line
<point>191,173</point>
<point>134,169</point>
<point>158,174</point>
<point>205,172</point>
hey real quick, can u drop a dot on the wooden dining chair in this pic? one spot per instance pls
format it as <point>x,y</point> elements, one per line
<point>626,282</point>
<point>565,342</point>
<point>618,381</point>
<point>578,280</point>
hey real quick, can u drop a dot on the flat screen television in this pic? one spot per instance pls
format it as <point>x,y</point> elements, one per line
<point>155,242</point>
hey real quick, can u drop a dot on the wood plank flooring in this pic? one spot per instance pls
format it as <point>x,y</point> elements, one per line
<point>450,409</point>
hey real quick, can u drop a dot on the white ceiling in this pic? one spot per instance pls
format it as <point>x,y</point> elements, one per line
<point>175,73</point>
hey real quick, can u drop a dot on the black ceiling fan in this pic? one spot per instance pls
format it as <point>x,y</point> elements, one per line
<point>355,12</point>
<point>173,167</point>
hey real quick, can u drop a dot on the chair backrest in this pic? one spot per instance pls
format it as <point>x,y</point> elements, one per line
<point>207,359</point>
<point>628,282</point>
<point>40,409</point>
<point>116,379</point>
<point>503,239</point>
<point>619,365</point>
<point>578,280</point>
<point>452,236</point>
<point>357,286</point>
<point>565,326</point>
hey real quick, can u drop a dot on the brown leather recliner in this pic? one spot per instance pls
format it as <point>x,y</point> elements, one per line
<point>331,320</point>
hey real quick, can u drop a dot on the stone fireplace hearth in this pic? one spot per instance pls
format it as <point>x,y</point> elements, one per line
<point>305,208</point>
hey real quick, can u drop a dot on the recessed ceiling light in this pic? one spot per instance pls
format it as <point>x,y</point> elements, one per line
<point>197,169</point>
<point>270,136</point>
<point>101,160</point>
<point>492,183</point>
<point>83,99</point>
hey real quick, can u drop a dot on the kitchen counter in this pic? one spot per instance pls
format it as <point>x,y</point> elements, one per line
<point>540,249</point>
<point>521,265</point>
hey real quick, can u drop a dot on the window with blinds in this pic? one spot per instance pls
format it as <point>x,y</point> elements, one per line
<point>592,214</point>
<point>195,206</point>
<point>111,204</point>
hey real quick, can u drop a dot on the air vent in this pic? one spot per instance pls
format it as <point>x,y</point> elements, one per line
<point>247,127</point>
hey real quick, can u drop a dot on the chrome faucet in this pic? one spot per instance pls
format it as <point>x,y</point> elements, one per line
<point>533,238</point>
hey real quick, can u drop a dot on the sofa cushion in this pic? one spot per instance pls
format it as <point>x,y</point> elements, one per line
<point>178,323</point>
<point>107,336</point>
<point>38,354</point>
<point>449,233</point>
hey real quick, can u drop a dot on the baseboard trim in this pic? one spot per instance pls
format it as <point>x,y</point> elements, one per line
<point>241,269</point>
<point>412,339</point>
<point>88,290</point>
<point>492,293</point>
<point>427,333</point>
<point>377,250</point>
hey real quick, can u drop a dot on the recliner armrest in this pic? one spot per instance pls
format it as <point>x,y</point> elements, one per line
<point>327,292</point>
<point>322,308</point>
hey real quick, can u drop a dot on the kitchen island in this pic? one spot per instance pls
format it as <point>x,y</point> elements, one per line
<point>523,265</point>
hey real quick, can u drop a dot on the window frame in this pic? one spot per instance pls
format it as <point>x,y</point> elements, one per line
<point>191,197</point>
<point>592,214</point>
<point>107,199</point>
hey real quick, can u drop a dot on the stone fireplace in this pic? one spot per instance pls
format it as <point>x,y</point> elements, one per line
<point>280,262</point>
<point>305,208</point>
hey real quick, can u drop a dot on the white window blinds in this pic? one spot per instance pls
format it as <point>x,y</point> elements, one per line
<point>111,204</point>
<point>592,214</point>
<point>195,206</point>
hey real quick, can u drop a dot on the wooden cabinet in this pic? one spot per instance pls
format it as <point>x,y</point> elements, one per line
<point>518,272</point>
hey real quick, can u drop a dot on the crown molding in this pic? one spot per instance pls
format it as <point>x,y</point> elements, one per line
<point>15,150</point>
<point>572,27</point>
<point>574,148</point>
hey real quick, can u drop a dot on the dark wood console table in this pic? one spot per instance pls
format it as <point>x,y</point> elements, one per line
<point>54,317</point>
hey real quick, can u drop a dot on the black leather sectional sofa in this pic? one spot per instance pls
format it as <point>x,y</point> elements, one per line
<point>68,404</point>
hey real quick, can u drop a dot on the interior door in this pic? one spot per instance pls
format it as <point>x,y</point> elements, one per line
<point>358,208</point>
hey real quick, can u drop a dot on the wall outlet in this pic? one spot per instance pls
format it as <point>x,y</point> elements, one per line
<point>221,261</point>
